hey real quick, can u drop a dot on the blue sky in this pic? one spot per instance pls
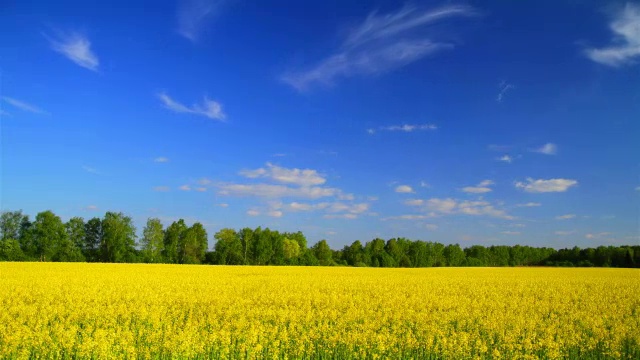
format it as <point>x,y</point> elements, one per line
<point>478,122</point>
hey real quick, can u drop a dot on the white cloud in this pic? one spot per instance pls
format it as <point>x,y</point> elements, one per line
<point>275,213</point>
<point>504,87</point>
<point>405,128</point>
<point>201,189</point>
<point>209,108</point>
<point>597,235</point>
<point>511,232</point>
<point>341,216</point>
<point>529,204</point>
<point>564,232</point>
<point>329,207</point>
<point>544,186</point>
<point>76,47</point>
<point>547,149</point>
<point>223,205</point>
<point>195,15</point>
<point>565,217</point>
<point>91,208</point>
<point>407,217</point>
<point>446,206</point>
<point>431,226</point>
<point>253,212</point>
<point>626,43</point>
<point>380,44</point>
<point>23,105</point>
<point>481,188</point>
<point>404,189</point>
<point>161,188</point>
<point>185,188</point>
<point>205,182</point>
<point>424,184</point>
<point>476,189</point>
<point>277,191</point>
<point>301,177</point>
<point>451,206</point>
<point>161,159</point>
<point>414,202</point>
<point>505,158</point>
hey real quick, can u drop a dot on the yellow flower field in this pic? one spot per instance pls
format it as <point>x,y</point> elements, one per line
<point>64,310</point>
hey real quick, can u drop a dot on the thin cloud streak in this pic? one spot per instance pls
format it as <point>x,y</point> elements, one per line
<point>23,105</point>
<point>404,128</point>
<point>382,43</point>
<point>209,108</point>
<point>195,15</point>
<point>75,47</point>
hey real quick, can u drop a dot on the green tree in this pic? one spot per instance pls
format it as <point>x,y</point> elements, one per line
<point>228,247</point>
<point>10,224</point>
<point>48,234</point>
<point>10,250</point>
<point>118,238</point>
<point>191,249</point>
<point>322,252</point>
<point>76,231</point>
<point>454,255</point>
<point>201,241</point>
<point>172,237</point>
<point>92,239</point>
<point>152,241</point>
<point>291,250</point>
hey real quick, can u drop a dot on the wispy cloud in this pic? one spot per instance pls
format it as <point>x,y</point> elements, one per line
<point>597,235</point>
<point>564,232</point>
<point>209,108</point>
<point>626,42</point>
<point>23,105</point>
<point>545,186</point>
<point>565,217</point>
<point>407,217</point>
<point>222,205</point>
<point>481,188</point>
<point>161,159</point>
<point>449,206</point>
<point>503,87</point>
<point>505,158</point>
<point>381,43</point>
<point>90,170</point>
<point>75,47</point>
<point>529,204</point>
<point>195,15</point>
<point>404,128</point>
<point>547,149</point>
<point>253,212</point>
<point>91,208</point>
<point>302,177</point>
<point>511,232</point>
<point>185,188</point>
<point>161,188</point>
<point>404,189</point>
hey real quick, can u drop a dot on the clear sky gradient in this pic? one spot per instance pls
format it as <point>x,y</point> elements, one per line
<point>476,122</point>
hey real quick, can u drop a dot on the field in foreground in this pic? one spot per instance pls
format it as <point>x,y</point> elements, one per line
<point>169,311</point>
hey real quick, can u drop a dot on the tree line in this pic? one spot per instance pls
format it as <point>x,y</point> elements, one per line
<point>113,238</point>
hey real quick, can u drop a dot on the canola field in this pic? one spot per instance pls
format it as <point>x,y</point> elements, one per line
<point>114,311</point>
